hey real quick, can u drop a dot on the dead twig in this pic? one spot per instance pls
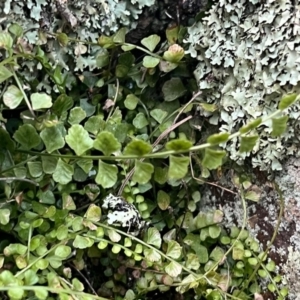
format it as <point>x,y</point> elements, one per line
<point>63,9</point>
<point>207,182</point>
<point>85,279</point>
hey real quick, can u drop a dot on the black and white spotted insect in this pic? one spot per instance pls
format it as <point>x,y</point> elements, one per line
<point>124,214</point>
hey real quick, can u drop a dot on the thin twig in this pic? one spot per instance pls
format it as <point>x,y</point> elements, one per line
<point>207,182</point>
<point>85,279</point>
<point>115,99</point>
<point>23,93</point>
<point>169,130</point>
<point>18,179</point>
<point>186,105</point>
<point>144,270</point>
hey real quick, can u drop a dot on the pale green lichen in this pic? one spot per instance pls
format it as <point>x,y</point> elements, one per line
<point>248,54</point>
<point>81,20</point>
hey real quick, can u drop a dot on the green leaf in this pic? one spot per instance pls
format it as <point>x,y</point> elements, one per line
<point>6,40</point>
<point>102,59</point>
<point>63,251</point>
<point>137,148</point>
<point>214,231</point>
<point>52,138</point>
<point>178,167</point>
<point>284,291</point>
<point>178,145</point>
<point>62,232</point>
<point>62,104</point>
<point>218,138</point>
<point>78,139</point>
<point>140,121</point>
<point>279,126</point>
<point>161,175</point>
<point>127,47</point>
<point>102,245</point>
<point>150,61</point>
<point>271,286</point>
<point>151,42</point>
<point>114,236</point>
<point>49,164</point>
<point>127,242</point>
<point>94,124</point>
<point>27,136</point>
<point>167,66</point>
<point>174,249</point>
<point>208,107</point>
<point>173,89</point>
<point>68,202</point>
<point>87,107</point>
<point>248,143</point>
<point>119,36</point>
<point>12,249</point>
<point>173,269</point>
<point>153,237</point>
<point>122,70</point>
<point>126,59</point>
<point>213,158</point>
<point>130,295</point>
<point>93,213</point>
<point>237,253</point>
<point>81,242</point>
<point>107,143</point>
<point>143,172</point>
<point>131,101</point>
<point>263,273</point>
<point>31,278</point>
<point>116,249</point>
<point>77,114</point>
<point>172,34</point>
<point>152,255</point>
<point>77,285</point>
<point>6,141</point>
<point>271,266</point>
<point>217,254</point>
<point>4,216</point>
<point>158,115</point>
<point>105,41</point>
<point>62,39</point>
<point>40,100</point>
<point>63,172</point>
<point>118,130</point>
<point>92,191</point>
<point>107,175</point>
<point>286,101</point>
<point>57,76</point>
<point>163,200</point>
<point>16,30</point>
<point>4,74</point>
<point>16,293</point>
<point>250,126</point>
<point>174,54</point>
<point>12,97</point>
<point>35,168</point>
<point>192,261</point>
